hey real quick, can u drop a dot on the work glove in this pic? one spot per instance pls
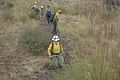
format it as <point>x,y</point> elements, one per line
<point>63,53</point>
<point>50,57</point>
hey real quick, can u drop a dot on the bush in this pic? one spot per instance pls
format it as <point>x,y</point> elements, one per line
<point>2,2</point>
<point>23,18</point>
<point>7,7</point>
<point>8,15</point>
<point>34,40</point>
<point>32,14</point>
<point>71,11</point>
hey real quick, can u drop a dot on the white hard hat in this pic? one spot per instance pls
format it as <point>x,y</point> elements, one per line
<point>55,38</point>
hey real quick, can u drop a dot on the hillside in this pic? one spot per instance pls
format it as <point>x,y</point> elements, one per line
<point>89,31</point>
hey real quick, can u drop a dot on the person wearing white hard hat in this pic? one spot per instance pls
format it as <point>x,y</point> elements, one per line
<point>55,50</point>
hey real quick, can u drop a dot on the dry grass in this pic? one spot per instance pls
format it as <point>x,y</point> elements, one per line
<point>92,57</point>
<point>96,56</point>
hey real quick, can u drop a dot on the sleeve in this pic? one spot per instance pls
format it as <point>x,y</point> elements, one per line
<point>61,48</point>
<point>58,16</point>
<point>49,49</point>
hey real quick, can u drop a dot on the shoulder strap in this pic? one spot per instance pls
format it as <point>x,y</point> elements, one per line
<point>52,45</point>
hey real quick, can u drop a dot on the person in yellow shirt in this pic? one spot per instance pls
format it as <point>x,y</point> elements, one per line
<point>55,21</point>
<point>34,5</point>
<point>36,9</point>
<point>42,10</point>
<point>58,15</point>
<point>55,51</point>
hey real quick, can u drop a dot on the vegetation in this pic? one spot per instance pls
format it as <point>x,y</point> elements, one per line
<point>89,31</point>
<point>32,14</point>
<point>34,40</point>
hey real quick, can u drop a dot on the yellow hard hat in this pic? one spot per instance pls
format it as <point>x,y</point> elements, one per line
<point>41,6</point>
<point>34,6</point>
<point>59,11</point>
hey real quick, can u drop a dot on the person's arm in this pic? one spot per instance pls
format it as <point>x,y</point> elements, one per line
<point>46,11</point>
<point>49,49</point>
<point>61,48</point>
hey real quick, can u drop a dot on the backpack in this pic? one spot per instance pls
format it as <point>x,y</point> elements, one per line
<point>37,9</point>
<point>52,17</point>
<point>48,13</point>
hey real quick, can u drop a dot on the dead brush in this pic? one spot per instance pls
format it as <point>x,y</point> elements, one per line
<point>48,65</point>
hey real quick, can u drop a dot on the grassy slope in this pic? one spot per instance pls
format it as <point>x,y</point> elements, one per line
<point>94,57</point>
<point>16,64</point>
<point>97,64</point>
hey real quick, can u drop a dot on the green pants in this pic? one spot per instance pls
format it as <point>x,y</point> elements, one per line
<point>57,61</point>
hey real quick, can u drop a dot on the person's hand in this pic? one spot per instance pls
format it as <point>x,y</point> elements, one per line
<point>50,57</point>
<point>63,53</point>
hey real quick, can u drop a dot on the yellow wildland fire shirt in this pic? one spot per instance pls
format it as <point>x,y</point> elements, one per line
<point>58,15</point>
<point>57,48</point>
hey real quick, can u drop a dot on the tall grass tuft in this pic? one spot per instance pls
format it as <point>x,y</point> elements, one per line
<point>34,40</point>
<point>8,15</point>
<point>23,18</point>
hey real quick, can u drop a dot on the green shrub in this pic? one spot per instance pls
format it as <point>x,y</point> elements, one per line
<point>23,18</point>
<point>2,2</point>
<point>34,40</point>
<point>71,11</point>
<point>9,5</point>
<point>32,14</point>
<point>8,16</point>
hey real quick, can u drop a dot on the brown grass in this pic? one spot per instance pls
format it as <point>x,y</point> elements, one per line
<point>92,57</point>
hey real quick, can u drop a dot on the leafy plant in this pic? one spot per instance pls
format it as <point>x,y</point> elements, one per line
<point>32,14</point>
<point>23,18</point>
<point>8,15</point>
<point>34,40</point>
